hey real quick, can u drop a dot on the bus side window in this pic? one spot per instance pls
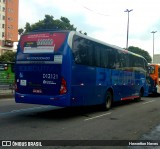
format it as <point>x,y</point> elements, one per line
<point>145,65</point>
<point>104,57</point>
<point>83,55</point>
<point>140,62</point>
<point>75,50</point>
<point>151,69</point>
<point>97,55</point>
<point>79,51</point>
<point>124,60</point>
<point>90,52</point>
<point>114,59</point>
<point>158,72</point>
<point>82,51</point>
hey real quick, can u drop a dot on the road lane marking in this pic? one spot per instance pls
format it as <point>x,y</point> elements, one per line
<point>148,102</point>
<point>97,116</point>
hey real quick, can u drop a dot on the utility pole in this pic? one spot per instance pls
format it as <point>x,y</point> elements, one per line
<point>153,32</point>
<point>128,11</point>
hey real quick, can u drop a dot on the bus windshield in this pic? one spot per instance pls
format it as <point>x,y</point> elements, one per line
<point>151,69</point>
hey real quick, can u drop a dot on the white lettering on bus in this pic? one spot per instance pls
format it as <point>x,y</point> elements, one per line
<point>48,82</point>
<point>50,76</point>
<point>38,58</point>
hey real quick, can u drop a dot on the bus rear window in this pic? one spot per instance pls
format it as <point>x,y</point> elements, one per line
<point>42,42</point>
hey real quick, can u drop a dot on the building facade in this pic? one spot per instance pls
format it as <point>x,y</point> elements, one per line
<point>156,59</point>
<point>8,24</point>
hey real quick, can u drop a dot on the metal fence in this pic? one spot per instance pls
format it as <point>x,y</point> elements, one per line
<point>6,87</point>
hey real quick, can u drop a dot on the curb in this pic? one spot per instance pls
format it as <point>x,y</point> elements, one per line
<point>6,96</point>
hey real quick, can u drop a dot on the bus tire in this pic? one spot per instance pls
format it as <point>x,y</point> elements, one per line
<point>140,95</point>
<point>108,101</point>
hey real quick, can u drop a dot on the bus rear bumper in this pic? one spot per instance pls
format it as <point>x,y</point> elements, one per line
<point>61,100</point>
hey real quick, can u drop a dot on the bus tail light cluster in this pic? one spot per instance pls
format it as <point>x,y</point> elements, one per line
<point>15,85</point>
<point>63,89</point>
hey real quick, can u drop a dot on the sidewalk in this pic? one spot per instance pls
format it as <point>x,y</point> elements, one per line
<point>6,93</point>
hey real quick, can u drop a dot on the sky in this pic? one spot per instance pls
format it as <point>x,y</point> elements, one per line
<point>105,20</point>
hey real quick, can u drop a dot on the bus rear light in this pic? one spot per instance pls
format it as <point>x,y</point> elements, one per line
<point>15,85</point>
<point>63,89</point>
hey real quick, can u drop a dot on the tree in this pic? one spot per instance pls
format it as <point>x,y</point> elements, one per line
<point>27,27</point>
<point>49,23</point>
<point>141,52</point>
<point>8,56</point>
<point>20,31</point>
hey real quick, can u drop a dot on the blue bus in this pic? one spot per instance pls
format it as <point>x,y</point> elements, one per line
<point>67,68</point>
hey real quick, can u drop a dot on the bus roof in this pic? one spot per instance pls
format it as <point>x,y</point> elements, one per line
<point>72,33</point>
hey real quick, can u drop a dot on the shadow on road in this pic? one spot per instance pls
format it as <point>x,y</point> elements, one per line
<point>60,114</point>
<point>72,112</point>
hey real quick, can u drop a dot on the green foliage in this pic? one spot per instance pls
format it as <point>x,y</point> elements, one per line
<point>20,31</point>
<point>27,27</point>
<point>8,56</point>
<point>49,23</point>
<point>141,52</point>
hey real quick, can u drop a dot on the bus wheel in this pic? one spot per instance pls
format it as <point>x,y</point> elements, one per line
<point>140,95</point>
<point>108,101</point>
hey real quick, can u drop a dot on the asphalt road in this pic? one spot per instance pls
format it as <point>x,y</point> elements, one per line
<point>125,121</point>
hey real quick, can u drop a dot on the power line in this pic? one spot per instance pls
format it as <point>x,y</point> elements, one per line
<point>106,15</point>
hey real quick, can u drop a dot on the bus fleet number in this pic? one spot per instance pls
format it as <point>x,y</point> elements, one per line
<point>50,76</point>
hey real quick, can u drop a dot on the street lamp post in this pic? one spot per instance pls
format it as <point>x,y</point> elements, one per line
<point>128,11</point>
<point>153,32</point>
